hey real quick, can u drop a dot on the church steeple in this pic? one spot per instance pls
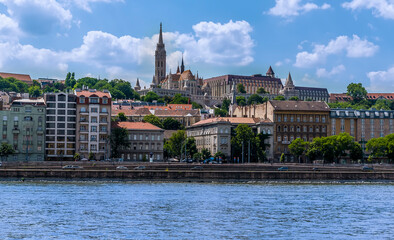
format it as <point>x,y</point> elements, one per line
<point>177,70</point>
<point>289,82</point>
<point>160,59</point>
<point>137,85</point>
<point>182,65</point>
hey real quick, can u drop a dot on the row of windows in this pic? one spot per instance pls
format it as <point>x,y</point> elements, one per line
<point>285,138</point>
<point>94,110</point>
<point>92,128</point>
<point>27,109</point>
<point>145,137</point>
<point>298,129</point>
<point>104,100</point>
<point>298,118</point>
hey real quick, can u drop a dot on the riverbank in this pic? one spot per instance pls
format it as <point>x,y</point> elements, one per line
<point>195,172</point>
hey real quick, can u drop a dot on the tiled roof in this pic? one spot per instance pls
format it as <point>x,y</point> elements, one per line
<point>232,120</point>
<point>135,126</point>
<point>300,105</point>
<point>345,97</point>
<point>89,93</point>
<point>180,106</point>
<point>187,75</point>
<point>22,77</point>
<point>177,113</point>
<point>311,89</point>
<point>380,95</point>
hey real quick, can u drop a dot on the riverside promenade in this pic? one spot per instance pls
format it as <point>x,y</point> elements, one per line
<point>194,172</point>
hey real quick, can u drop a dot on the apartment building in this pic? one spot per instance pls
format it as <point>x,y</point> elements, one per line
<point>93,123</point>
<point>24,128</point>
<point>146,141</point>
<point>362,124</point>
<point>60,126</point>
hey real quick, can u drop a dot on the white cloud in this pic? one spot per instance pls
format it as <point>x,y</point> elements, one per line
<point>322,72</point>
<point>38,16</point>
<point>292,8</point>
<point>354,48</point>
<point>9,29</point>
<point>85,4</point>
<point>381,80</point>
<point>280,63</point>
<point>380,8</point>
<point>306,79</point>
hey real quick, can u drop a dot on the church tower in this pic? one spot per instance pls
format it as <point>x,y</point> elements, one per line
<point>182,65</point>
<point>160,60</point>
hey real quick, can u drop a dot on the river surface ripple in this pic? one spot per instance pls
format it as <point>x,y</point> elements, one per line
<point>107,210</point>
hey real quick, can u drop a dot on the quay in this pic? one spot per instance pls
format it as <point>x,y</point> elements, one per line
<point>194,172</point>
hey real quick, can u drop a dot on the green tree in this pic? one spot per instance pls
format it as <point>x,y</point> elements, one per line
<point>241,101</point>
<point>256,99</point>
<point>205,153</point>
<point>122,117</point>
<point>261,140</point>
<point>151,96</point>
<point>178,99</point>
<point>77,157</point>
<point>91,156</point>
<point>196,105</point>
<point>36,83</point>
<point>172,124</point>
<point>116,94</point>
<point>6,150</point>
<point>356,91</point>
<point>280,98</point>
<point>191,147</point>
<point>261,90</point>
<point>298,147</point>
<point>153,120</point>
<point>220,112</point>
<point>241,88</point>
<point>35,91</point>
<point>118,139</point>
<point>382,104</point>
<point>197,157</point>
<point>243,134</point>
<point>175,143</point>
<point>282,158</point>
<point>356,152</point>
<point>220,155</point>
<point>226,104</point>
<point>295,98</point>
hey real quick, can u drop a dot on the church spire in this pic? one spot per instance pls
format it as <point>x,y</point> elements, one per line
<point>137,85</point>
<point>182,65</point>
<point>289,82</point>
<point>177,70</point>
<point>161,35</point>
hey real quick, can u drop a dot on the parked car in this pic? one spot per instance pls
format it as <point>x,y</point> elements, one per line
<point>316,169</point>
<point>367,169</point>
<point>72,167</point>
<point>140,168</point>
<point>188,160</point>
<point>283,169</point>
<point>121,168</point>
<point>173,160</point>
<point>197,168</point>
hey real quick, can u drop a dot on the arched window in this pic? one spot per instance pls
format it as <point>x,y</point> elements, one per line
<point>278,128</point>
<point>83,109</point>
<point>269,131</point>
<point>285,138</point>
<point>104,110</point>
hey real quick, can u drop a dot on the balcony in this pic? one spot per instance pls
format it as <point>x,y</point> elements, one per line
<point>103,131</point>
<point>84,121</point>
<point>84,140</point>
<point>103,140</point>
<point>83,130</point>
<point>103,113</point>
<point>15,130</point>
<point>102,122</point>
<point>84,113</point>
<point>83,150</point>
<point>285,142</point>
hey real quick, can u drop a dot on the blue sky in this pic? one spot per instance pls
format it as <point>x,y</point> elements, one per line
<point>322,43</point>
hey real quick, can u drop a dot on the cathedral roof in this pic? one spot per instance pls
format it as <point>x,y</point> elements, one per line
<point>270,71</point>
<point>289,81</point>
<point>187,75</point>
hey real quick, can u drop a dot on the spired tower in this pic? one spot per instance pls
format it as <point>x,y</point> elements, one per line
<point>160,60</point>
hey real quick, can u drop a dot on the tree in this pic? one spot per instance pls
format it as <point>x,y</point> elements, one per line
<point>36,83</point>
<point>191,147</point>
<point>282,158</point>
<point>35,91</point>
<point>122,117</point>
<point>91,156</point>
<point>295,98</point>
<point>6,150</point>
<point>220,155</point>
<point>356,152</point>
<point>175,143</point>
<point>280,98</point>
<point>151,96</point>
<point>153,120</point>
<point>118,140</point>
<point>244,134</point>
<point>382,104</point>
<point>77,157</point>
<point>256,99</point>
<point>357,92</point>
<point>196,105</point>
<point>116,94</point>
<point>261,90</point>
<point>178,99</point>
<point>197,157</point>
<point>172,124</point>
<point>297,147</point>
<point>241,101</point>
<point>225,104</point>
<point>220,112</point>
<point>205,153</point>
<point>70,80</point>
<point>241,88</point>
<point>262,145</point>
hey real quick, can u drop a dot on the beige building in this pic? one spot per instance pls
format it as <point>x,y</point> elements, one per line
<point>292,119</point>
<point>214,134</point>
<point>146,141</point>
<point>362,124</point>
<point>93,123</point>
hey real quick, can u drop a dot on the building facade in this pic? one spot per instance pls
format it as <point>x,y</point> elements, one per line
<point>214,134</point>
<point>146,141</point>
<point>362,124</point>
<point>93,123</point>
<point>60,126</point>
<point>292,119</point>
<point>24,128</point>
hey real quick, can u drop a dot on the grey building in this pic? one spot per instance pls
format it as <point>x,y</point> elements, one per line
<point>146,141</point>
<point>24,128</point>
<point>60,126</point>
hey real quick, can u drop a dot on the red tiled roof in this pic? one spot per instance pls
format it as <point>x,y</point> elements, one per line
<point>177,113</point>
<point>135,126</point>
<point>232,120</point>
<point>130,112</point>
<point>87,93</point>
<point>345,97</point>
<point>22,77</point>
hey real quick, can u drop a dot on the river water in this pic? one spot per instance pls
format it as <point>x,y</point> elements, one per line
<point>127,210</point>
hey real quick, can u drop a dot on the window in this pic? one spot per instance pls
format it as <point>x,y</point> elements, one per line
<point>333,128</point>
<point>310,119</point>
<point>27,118</point>
<point>61,105</point>
<point>372,128</point>
<point>323,119</point>
<point>279,118</point>
<point>94,120</point>
<point>135,136</point>
<point>93,138</point>
<point>140,136</point>
<point>83,109</point>
<point>93,128</point>
<point>27,109</point>
<point>94,110</point>
<point>305,129</point>
<point>311,129</point>
<point>158,137</point>
<point>93,100</point>
<point>279,138</point>
<point>285,119</point>
<point>146,137</point>
<point>298,118</point>
<point>82,100</point>
<point>105,100</point>
<point>104,110</point>
<point>291,119</point>
<point>153,137</point>
<point>342,125</point>
<point>317,119</point>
